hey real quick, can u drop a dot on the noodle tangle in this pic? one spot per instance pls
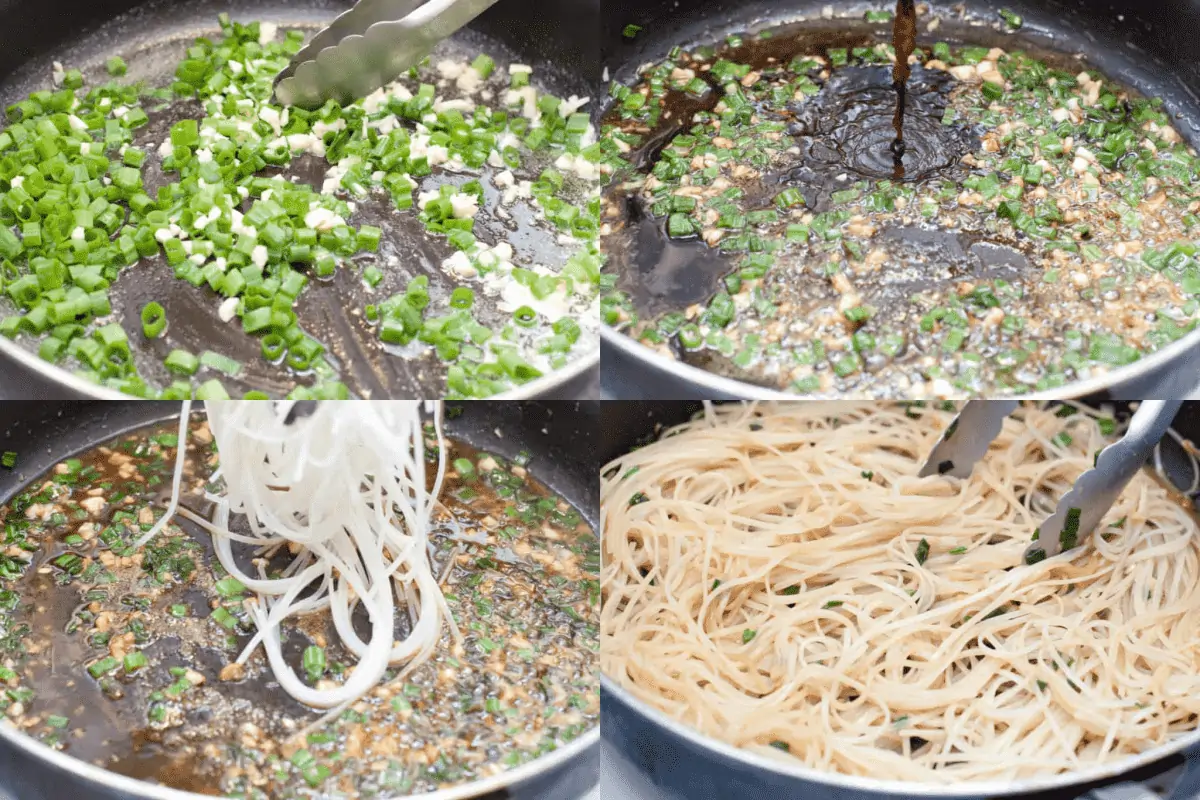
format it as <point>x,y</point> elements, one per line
<point>777,577</point>
<point>343,494</point>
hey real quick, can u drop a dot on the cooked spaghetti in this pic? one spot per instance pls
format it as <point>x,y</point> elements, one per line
<point>777,577</point>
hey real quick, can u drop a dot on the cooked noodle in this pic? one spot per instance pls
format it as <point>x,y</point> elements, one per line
<point>761,584</point>
<point>344,492</point>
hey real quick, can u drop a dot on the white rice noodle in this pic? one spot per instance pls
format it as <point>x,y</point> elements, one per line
<point>345,489</point>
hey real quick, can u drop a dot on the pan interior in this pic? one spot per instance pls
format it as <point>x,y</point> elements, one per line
<point>521,685</point>
<point>153,39</point>
<point>799,327</point>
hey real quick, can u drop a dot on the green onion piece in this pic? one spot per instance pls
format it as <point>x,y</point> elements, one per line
<point>859,314</point>
<point>211,390</point>
<point>154,320</point>
<point>220,363</point>
<point>8,459</point>
<point>314,662</point>
<point>368,238</point>
<point>229,587</point>
<point>135,661</point>
<point>516,366</point>
<point>462,297</point>
<point>273,347</point>
<point>222,617</point>
<point>182,362</point>
<point>789,198</point>
<point>103,667</point>
<point>483,64</point>
<point>464,467</point>
<point>1070,530</point>
<point>185,133</point>
<point>315,774</point>
<point>525,316</point>
<point>922,551</point>
<point>1011,18</point>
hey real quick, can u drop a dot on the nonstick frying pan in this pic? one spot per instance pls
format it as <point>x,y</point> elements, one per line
<point>681,763</point>
<point>556,38</point>
<point>554,433</point>
<point>1149,46</point>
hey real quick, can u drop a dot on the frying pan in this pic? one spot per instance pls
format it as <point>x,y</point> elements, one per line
<point>1148,45</point>
<point>682,763</point>
<point>152,37</point>
<point>555,433</point>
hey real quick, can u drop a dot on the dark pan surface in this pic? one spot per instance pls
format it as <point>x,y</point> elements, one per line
<point>153,38</point>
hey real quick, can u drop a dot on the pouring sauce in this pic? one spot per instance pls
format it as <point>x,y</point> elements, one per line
<point>904,40</point>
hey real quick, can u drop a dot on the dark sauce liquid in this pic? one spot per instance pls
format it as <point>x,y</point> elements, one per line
<point>904,40</point>
<point>844,134</point>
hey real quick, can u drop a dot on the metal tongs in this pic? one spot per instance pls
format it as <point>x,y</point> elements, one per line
<point>370,46</point>
<point>1080,510</point>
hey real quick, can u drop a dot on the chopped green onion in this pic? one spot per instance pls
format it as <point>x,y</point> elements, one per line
<point>211,390</point>
<point>103,667</point>
<point>314,662</point>
<point>229,587</point>
<point>154,320</point>
<point>525,317</point>
<point>182,362</point>
<point>220,363</point>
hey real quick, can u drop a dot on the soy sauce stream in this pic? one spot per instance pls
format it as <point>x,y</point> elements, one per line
<point>904,40</point>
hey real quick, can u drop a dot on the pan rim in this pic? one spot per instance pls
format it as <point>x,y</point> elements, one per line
<point>1183,350</point>
<point>141,790</point>
<point>60,377</point>
<point>615,694</point>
